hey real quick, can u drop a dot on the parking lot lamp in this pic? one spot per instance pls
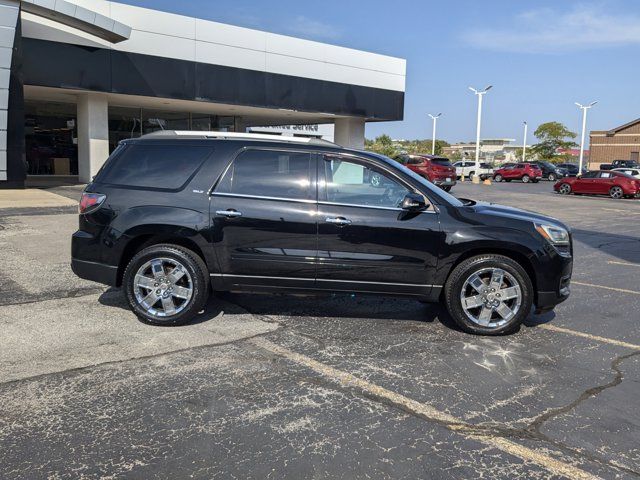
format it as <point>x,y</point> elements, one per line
<point>584,109</point>
<point>480,94</point>
<point>524,142</point>
<point>433,141</point>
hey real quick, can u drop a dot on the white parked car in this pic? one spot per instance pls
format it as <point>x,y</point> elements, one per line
<point>634,172</point>
<point>467,168</point>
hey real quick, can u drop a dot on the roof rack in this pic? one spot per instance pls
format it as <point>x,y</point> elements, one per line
<point>238,136</point>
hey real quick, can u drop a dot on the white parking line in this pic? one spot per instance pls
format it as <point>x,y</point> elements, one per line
<point>626,264</point>
<point>595,338</point>
<point>622,290</point>
<point>554,466</point>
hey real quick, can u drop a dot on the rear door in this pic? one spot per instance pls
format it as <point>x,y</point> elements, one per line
<point>263,213</point>
<point>366,242</point>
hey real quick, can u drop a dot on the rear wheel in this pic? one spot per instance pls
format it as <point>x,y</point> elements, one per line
<point>498,178</point>
<point>616,192</point>
<point>526,179</point>
<point>489,295</point>
<point>166,284</point>
<point>552,177</point>
<point>565,189</point>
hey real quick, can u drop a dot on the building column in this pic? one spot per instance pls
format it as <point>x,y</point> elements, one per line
<point>349,132</point>
<point>93,134</point>
<point>12,153</point>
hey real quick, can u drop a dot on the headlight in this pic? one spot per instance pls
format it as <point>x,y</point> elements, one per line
<point>555,235</point>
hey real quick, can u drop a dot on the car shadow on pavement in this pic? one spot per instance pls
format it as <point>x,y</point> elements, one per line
<point>114,298</point>
<point>624,247</point>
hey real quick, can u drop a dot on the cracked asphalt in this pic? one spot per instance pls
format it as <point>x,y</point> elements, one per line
<point>337,386</point>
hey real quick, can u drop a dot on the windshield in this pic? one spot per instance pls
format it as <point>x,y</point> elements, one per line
<point>438,192</point>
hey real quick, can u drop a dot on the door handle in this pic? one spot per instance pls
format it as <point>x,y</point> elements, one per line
<point>228,213</point>
<point>340,221</point>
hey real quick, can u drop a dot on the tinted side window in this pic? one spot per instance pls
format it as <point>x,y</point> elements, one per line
<point>155,166</point>
<point>590,175</point>
<point>352,183</point>
<point>269,173</point>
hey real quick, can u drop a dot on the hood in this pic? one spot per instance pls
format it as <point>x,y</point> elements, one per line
<point>503,211</point>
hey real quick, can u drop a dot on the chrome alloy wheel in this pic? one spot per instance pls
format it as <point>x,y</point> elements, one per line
<point>163,287</point>
<point>491,297</point>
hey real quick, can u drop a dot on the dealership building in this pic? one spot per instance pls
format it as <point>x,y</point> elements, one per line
<point>619,143</point>
<point>78,76</point>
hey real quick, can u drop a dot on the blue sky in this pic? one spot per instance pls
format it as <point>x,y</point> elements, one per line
<point>541,56</point>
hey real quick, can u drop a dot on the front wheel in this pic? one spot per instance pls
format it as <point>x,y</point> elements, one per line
<point>616,192</point>
<point>498,178</point>
<point>166,284</point>
<point>525,179</point>
<point>489,295</point>
<point>565,189</point>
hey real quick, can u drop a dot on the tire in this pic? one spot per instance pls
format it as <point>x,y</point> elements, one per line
<point>616,192</point>
<point>472,174</point>
<point>186,296</point>
<point>472,319</point>
<point>564,189</point>
<point>552,177</point>
<point>526,178</point>
<point>498,178</point>
<point>447,188</point>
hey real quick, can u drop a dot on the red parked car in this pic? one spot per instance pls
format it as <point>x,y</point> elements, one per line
<point>438,170</point>
<point>615,184</point>
<point>527,172</point>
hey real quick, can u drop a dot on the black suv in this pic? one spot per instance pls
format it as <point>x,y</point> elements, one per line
<point>173,215</point>
<point>550,171</point>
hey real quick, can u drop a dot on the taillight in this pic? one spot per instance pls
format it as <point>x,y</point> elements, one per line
<point>90,202</point>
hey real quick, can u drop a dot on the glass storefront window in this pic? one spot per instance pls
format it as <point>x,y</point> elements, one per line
<point>124,123</point>
<point>154,120</point>
<point>51,138</point>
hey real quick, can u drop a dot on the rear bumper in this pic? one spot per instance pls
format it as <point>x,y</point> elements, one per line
<point>86,263</point>
<point>443,181</point>
<point>96,272</point>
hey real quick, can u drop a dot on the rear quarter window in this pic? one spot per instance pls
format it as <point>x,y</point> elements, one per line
<point>441,161</point>
<point>161,166</point>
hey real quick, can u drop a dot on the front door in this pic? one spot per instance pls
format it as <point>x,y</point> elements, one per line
<point>586,183</point>
<point>263,214</point>
<point>366,242</point>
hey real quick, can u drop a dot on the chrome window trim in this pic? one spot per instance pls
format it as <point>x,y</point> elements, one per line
<point>223,275</point>
<point>260,197</point>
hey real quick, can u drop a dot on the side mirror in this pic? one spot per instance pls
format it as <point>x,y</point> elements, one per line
<point>413,202</point>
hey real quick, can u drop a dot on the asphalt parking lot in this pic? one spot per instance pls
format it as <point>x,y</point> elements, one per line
<point>333,387</point>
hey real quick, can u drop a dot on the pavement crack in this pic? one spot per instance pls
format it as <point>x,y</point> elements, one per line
<point>538,422</point>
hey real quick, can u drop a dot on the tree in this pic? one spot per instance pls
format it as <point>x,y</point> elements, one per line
<point>552,136</point>
<point>528,156</point>
<point>383,145</point>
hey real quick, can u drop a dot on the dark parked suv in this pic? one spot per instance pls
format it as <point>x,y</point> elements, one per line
<point>173,215</point>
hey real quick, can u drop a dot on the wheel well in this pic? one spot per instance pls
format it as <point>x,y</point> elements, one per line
<point>143,241</point>
<point>512,254</point>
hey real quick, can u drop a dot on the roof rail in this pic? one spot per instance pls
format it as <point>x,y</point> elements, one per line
<point>239,136</point>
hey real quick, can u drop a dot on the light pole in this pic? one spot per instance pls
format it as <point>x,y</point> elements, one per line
<point>584,109</point>
<point>524,142</point>
<point>433,142</point>
<point>480,94</point>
